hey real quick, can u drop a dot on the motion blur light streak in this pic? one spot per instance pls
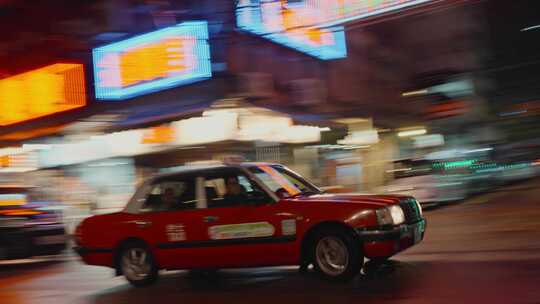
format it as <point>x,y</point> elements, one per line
<point>151,62</point>
<point>415,93</point>
<point>412,133</point>
<point>426,141</point>
<point>365,137</point>
<point>55,88</point>
<point>479,150</point>
<point>13,160</point>
<point>530,28</point>
<point>12,199</point>
<point>11,151</point>
<point>34,147</point>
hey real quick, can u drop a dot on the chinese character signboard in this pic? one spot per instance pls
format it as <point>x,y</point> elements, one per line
<point>154,61</point>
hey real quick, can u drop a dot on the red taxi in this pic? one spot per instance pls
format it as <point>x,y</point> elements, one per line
<point>247,215</point>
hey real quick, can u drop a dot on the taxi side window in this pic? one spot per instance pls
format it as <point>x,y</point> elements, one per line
<point>171,195</point>
<point>232,190</point>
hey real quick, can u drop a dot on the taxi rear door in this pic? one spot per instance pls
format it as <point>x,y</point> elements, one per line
<point>173,230</point>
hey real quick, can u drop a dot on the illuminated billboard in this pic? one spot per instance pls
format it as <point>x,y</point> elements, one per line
<point>154,61</point>
<point>311,26</point>
<point>40,92</point>
<point>293,25</point>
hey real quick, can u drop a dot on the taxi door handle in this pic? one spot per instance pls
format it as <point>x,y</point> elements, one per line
<point>143,224</point>
<point>210,218</point>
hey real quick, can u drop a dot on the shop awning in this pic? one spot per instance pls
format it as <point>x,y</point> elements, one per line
<point>153,114</point>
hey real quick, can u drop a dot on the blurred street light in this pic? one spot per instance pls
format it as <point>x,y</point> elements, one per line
<point>410,133</point>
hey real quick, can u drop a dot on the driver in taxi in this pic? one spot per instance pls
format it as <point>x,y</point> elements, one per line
<point>167,199</point>
<point>235,192</point>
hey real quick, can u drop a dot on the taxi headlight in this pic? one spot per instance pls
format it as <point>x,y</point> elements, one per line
<point>392,215</point>
<point>397,214</point>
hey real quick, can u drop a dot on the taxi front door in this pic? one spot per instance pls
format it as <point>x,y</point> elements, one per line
<point>249,235</point>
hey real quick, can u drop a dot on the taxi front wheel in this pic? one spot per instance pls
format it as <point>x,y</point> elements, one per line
<point>138,265</point>
<point>337,255</point>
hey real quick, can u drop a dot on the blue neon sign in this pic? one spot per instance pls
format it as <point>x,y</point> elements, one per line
<point>311,26</point>
<point>292,26</point>
<point>155,61</point>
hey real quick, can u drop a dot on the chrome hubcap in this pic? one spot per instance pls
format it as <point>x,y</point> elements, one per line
<point>332,255</point>
<point>135,264</point>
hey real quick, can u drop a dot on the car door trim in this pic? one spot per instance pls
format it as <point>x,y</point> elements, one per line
<point>229,242</point>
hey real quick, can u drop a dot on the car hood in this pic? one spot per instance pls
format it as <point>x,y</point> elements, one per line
<point>374,201</point>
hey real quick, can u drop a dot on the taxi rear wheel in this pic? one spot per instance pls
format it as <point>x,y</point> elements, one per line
<point>138,265</point>
<point>337,255</point>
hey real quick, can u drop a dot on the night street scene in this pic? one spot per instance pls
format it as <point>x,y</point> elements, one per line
<point>269,151</point>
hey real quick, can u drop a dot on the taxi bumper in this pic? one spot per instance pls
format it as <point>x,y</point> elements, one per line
<point>387,242</point>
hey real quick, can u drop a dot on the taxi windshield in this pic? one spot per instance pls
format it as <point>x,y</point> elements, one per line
<point>278,178</point>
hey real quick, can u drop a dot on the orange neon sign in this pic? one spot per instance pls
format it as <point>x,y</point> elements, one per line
<point>162,59</point>
<point>5,161</point>
<point>157,59</point>
<point>158,135</point>
<point>37,93</point>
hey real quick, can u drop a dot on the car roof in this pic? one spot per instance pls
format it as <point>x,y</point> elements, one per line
<point>253,164</point>
<point>190,169</point>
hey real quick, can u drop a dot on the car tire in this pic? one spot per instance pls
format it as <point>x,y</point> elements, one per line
<point>337,255</point>
<point>138,265</point>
